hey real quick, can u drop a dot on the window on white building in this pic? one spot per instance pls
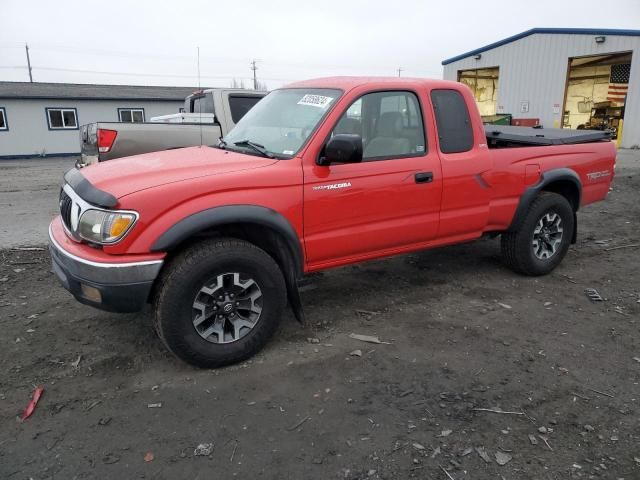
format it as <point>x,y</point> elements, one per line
<point>62,118</point>
<point>3,119</point>
<point>131,115</point>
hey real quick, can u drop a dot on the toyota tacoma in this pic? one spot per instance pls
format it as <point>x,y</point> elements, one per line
<point>319,174</point>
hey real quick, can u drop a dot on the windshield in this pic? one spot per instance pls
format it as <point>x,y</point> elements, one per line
<point>282,121</point>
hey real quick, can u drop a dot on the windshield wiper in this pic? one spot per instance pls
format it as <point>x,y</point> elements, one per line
<point>255,146</point>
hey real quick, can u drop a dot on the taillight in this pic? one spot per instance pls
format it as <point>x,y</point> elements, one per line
<point>106,139</point>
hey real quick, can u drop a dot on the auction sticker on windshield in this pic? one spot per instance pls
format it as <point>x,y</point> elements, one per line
<point>315,100</point>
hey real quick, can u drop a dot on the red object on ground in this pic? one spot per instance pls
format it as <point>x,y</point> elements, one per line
<point>37,393</point>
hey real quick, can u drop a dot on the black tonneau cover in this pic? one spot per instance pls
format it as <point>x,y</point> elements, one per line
<point>543,136</point>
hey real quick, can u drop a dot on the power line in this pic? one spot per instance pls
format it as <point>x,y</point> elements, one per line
<point>138,74</point>
<point>156,75</point>
<point>117,53</point>
<point>186,58</point>
<point>12,45</point>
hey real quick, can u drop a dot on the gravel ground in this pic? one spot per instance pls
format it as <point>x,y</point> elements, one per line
<point>29,196</point>
<point>486,374</point>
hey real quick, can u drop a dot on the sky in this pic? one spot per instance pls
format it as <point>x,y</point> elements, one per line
<point>147,42</point>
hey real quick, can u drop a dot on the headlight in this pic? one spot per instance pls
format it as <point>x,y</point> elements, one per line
<point>100,226</point>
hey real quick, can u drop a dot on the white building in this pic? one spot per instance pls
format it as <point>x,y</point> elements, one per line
<point>571,78</point>
<point>43,119</point>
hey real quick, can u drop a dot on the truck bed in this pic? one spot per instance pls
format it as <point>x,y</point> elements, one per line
<point>137,138</point>
<point>500,136</point>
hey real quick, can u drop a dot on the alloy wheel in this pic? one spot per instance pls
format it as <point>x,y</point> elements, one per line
<point>227,308</point>
<point>547,236</point>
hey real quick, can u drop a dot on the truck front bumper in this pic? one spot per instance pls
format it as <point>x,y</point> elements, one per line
<point>115,287</point>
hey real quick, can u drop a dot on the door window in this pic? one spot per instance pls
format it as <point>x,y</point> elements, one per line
<point>390,124</point>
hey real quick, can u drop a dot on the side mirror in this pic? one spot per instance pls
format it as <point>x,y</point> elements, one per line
<point>342,148</point>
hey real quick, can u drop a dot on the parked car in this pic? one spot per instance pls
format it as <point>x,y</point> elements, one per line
<point>319,174</point>
<point>208,115</point>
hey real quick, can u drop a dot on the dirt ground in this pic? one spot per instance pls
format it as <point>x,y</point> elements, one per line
<point>557,373</point>
<point>29,192</point>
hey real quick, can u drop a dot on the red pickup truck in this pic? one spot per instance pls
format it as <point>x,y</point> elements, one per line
<point>319,174</point>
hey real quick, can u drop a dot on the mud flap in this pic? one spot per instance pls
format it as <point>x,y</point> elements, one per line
<point>291,272</point>
<point>574,238</point>
<point>293,294</point>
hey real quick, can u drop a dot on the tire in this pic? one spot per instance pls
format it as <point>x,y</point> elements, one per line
<point>519,248</point>
<point>189,293</point>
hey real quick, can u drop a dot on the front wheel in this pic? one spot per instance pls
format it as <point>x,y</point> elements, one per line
<point>219,302</point>
<point>543,237</point>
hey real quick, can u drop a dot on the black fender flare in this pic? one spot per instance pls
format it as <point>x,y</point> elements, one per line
<point>227,215</point>
<point>546,178</point>
<point>233,214</point>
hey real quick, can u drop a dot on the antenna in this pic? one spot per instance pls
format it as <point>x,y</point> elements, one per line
<point>199,89</point>
<point>399,71</point>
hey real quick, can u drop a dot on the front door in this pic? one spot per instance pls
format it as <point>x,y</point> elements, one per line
<point>389,201</point>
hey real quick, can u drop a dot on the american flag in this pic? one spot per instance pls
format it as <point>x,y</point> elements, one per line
<point>619,82</point>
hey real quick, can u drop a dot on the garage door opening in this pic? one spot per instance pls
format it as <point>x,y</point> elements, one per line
<point>596,92</point>
<point>483,83</point>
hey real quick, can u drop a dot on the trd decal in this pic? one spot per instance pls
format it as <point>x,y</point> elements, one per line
<point>596,175</point>
<point>333,186</point>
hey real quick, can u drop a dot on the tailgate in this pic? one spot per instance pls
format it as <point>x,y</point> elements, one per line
<point>88,139</point>
<point>88,145</point>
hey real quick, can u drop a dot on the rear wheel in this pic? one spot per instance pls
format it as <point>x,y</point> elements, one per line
<point>543,237</point>
<point>219,302</point>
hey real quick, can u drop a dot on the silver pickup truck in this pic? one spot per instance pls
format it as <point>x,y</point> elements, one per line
<point>210,114</point>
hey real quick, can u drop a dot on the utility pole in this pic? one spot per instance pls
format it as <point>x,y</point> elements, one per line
<point>26,47</point>
<point>399,71</point>
<point>255,80</point>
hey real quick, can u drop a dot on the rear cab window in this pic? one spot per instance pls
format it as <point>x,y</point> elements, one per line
<point>202,104</point>
<point>240,105</point>
<point>453,122</point>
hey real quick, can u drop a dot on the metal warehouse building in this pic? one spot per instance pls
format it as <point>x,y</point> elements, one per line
<point>43,119</point>
<point>568,78</point>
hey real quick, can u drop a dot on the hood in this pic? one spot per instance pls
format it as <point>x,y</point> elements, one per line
<point>131,174</point>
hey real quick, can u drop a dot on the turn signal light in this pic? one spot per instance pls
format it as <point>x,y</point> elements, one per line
<point>106,139</point>
<point>119,225</point>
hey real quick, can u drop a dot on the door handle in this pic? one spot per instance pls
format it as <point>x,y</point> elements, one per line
<point>424,177</point>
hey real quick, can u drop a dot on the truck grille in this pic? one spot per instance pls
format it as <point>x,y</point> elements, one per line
<point>65,208</point>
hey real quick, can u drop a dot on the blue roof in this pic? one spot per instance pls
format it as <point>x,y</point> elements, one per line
<point>574,31</point>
